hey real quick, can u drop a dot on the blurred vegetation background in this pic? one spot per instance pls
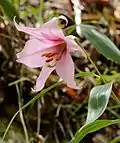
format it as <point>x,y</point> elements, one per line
<point>55,117</point>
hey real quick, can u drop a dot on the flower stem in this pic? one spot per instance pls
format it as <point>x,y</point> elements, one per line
<point>89,58</point>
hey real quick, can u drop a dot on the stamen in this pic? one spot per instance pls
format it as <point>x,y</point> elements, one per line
<point>49,60</point>
<point>45,54</point>
<point>58,58</point>
<point>51,54</point>
<point>60,55</point>
<point>53,57</point>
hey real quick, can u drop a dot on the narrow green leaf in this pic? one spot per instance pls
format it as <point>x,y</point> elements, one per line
<point>98,100</point>
<point>9,9</point>
<point>83,74</point>
<point>92,127</point>
<point>101,42</point>
<point>43,92</point>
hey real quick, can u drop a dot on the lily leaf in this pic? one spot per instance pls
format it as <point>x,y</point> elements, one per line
<point>98,100</point>
<point>101,42</point>
<point>92,127</point>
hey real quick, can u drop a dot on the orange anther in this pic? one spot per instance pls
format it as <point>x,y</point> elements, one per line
<point>51,54</point>
<point>45,54</point>
<point>58,58</point>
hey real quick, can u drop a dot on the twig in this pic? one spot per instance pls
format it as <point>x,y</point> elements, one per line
<point>27,104</point>
<point>56,137</point>
<point>21,115</point>
<point>39,116</point>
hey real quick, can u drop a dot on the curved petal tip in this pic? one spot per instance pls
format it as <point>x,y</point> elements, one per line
<point>63,18</point>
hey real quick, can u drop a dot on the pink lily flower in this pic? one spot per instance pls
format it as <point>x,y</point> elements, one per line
<point>50,49</point>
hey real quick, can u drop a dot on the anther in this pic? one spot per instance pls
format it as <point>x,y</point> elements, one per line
<point>45,54</point>
<point>49,60</point>
<point>51,54</point>
<point>58,58</point>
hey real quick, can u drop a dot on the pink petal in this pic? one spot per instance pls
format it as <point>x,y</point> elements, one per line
<point>33,46</point>
<point>48,31</point>
<point>73,46</point>
<point>31,54</point>
<point>35,32</point>
<point>51,28</point>
<point>32,61</point>
<point>45,72</point>
<point>65,69</point>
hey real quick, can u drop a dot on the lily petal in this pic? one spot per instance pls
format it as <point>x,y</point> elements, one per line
<point>40,82</point>
<point>31,54</point>
<point>33,46</point>
<point>49,29</point>
<point>32,61</point>
<point>52,28</point>
<point>65,69</point>
<point>73,46</point>
<point>31,31</point>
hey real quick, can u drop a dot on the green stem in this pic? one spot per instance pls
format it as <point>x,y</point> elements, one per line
<point>89,58</point>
